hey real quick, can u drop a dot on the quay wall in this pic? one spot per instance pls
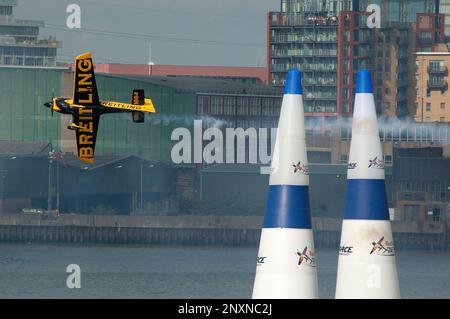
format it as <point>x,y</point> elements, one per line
<point>190,230</point>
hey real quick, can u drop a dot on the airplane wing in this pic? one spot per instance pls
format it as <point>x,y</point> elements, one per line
<point>85,88</point>
<point>87,122</point>
<point>375,247</point>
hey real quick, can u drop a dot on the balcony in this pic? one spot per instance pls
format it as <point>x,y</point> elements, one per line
<point>279,68</point>
<point>437,84</point>
<point>10,21</point>
<point>325,52</point>
<point>437,69</point>
<point>425,41</point>
<point>279,54</point>
<point>36,43</point>
<point>280,19</point>
<point>8,3</point>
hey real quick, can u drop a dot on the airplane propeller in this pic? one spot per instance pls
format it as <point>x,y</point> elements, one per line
<point>51,106</point>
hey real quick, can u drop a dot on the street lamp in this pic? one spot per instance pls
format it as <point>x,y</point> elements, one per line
<point>3,173</point>
<point>141,204</point>
<point>49,191</point>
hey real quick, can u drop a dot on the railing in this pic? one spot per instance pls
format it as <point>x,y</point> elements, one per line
<point>441,69</point>
<point>8,20</point>
<point>297,52</point>
<point>324,82</point>
<point>8,2</point>
<point>279,19</point>
<point>325,52</point>
<point>279,67</point>
<point>425,40</point>
<point>278,53</point>
<point>437,84</point>
<point>50,42</point>
<point>21,60</point>
<point>307,67</point>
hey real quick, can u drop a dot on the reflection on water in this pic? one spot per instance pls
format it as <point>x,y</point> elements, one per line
<point>39,271</point>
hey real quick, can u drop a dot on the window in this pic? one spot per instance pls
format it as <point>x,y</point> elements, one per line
<point>387,91</point>
<point>216,105</point>
<point>242,106</point>
<point>344,159</point>
<point>428,107</point>
<point>229,105</point>
<point>271,106</point>
<point>255,106</point>
<point>203,105</point>
<point>443,106</point>
<point>436,66</point>
<point>388,159</point>
<point>442,119</point>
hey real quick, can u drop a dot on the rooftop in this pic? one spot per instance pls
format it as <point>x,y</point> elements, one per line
<point>205,85</point>
<point>432,53</point>
<point>247,72</point>
<point>105,160</point>
<point>24,148</point>
<point>8,3</point>
<point>11,21</point>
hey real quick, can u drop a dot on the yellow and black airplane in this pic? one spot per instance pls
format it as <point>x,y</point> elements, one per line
<point>86,108</point>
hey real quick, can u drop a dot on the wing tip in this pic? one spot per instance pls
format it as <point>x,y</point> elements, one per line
<point>88,160</point>
<point>150,106</point>
<point>87,55</point>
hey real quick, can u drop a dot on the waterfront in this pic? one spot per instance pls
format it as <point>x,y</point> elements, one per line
<point>39,271</point>
<point>206,230</point>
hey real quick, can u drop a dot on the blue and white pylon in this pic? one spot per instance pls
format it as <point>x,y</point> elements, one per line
<point>366,266</point>
<point>286,265</point>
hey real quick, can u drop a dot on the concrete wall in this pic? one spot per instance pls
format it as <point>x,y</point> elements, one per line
<point>191,222</point>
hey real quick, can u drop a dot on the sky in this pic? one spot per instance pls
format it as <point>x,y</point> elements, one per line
<point>181,32</point>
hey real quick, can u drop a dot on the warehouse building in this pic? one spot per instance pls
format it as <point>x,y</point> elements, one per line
<point>178,100</point>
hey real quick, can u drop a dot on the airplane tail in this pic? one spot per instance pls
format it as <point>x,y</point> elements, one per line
<point>138,97</point>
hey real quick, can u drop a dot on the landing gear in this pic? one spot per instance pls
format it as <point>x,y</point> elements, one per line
<point>72,126</point>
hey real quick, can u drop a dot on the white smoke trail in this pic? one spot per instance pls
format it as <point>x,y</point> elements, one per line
<point>188,120</point>
<point>394,128</point>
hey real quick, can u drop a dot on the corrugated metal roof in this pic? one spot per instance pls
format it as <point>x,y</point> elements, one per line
<point>24,148</point>
<point>204,85</point>
<point>104,160</point>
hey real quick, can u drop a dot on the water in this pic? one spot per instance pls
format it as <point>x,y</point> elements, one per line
<point>39,271</point>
